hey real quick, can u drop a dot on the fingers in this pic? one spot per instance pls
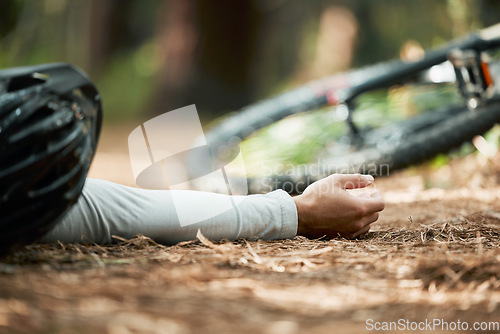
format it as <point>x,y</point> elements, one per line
<point>362,194</point>
<point>364,224</point>
<point>364,230</point>
<point>376,194</point>
<point>352,181</point>
<point>368,220</point>
<point>373,203</point>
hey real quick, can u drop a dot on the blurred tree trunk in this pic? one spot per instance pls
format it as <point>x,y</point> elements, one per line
<point>99,38</point>
<point>207,50</point>
<point>177,38</point>
<point>216,54</point>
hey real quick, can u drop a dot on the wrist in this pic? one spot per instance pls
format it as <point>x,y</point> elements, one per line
<point>302,215</point>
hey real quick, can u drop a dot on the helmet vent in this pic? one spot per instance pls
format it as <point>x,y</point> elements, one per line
<point>26,81</point>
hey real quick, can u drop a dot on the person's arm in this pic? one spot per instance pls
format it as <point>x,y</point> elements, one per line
<point>325,208</point>
<point>105,209</point>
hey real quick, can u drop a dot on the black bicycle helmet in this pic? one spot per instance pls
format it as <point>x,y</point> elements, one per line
<point>50,119</point>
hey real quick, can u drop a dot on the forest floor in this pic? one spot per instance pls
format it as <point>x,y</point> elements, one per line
<point>433,256</point>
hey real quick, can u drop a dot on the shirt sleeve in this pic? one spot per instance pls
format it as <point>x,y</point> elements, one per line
<point>169,216</point>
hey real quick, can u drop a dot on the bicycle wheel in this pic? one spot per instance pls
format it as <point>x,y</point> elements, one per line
<point>394,146</point>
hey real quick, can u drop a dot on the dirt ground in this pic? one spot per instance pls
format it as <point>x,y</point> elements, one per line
<point>434,255</point>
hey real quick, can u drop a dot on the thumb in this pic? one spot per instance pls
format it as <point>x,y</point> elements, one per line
<point>353,181</point>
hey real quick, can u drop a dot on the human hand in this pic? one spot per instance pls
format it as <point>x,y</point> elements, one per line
<point>326,208</point>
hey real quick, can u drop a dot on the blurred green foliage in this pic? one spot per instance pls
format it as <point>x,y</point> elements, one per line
<point>127,86</point>
<point>107,40</point>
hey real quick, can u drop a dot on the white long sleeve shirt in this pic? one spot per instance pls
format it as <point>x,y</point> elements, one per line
<point>105,209</point>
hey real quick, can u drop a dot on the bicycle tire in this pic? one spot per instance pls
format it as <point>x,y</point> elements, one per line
<point>427,140</point>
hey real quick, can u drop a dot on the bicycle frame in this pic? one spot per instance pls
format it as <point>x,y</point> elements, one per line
<point>472,74</point>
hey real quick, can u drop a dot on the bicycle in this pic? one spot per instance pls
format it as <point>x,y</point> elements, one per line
<point>397,144</point>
